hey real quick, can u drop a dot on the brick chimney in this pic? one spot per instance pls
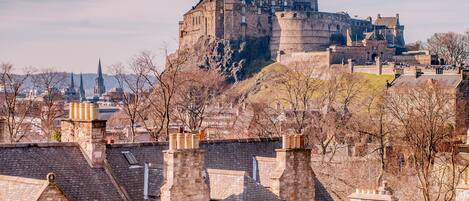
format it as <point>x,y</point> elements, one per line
<point>185,175</point>
<point>84,128</point>
<point>293,178</point>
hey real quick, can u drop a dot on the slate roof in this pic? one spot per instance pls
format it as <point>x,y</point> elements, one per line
<point>222,154</point>
<point>450,80</point>
<point>236,155</point>
<point>73,174</point>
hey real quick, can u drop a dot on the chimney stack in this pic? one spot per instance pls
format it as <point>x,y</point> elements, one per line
<point>293,178</point>
<point>185,174</point>
<point>84,128</point>
<point>384,193</point>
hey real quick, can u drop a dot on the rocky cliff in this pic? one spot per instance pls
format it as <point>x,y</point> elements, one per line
<point>237,60</point>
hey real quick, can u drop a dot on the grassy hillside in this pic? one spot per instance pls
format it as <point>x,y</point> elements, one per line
<point>264,86</point>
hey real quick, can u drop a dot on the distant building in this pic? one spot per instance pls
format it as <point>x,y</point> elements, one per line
<point>99,88</point>
<point>81,89</point>
<point>70,92</point>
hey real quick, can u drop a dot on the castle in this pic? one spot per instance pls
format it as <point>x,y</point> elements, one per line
<point>294,26</point>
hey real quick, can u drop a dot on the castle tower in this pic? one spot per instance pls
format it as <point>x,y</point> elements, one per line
<point>81,90</point>
<point>99,88</point>
<point>293,178</point>
<point>84,128</point>
<point>185,173</point>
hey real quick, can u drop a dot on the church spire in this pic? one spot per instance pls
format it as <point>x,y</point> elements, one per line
<point>99,88</point>
<point>72,82</point>
<point>81,90</point>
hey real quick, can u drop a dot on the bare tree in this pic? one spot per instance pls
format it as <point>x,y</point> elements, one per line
<point>376,123</point>
<point>425,116</point>
<point>163,85</point>
<point>266,121</point>
<point>133,79</point>
<point>299,85</point>
<point>12,108</point>
<point>452,47</point>
<point>333,119</point>
<point>50,105</point>
<point>197,91</point>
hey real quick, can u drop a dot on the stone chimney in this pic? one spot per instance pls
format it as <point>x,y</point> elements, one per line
<point>185,175</point>
<point>293,178</point>
<point>384,193</point>
<point>84,128</point>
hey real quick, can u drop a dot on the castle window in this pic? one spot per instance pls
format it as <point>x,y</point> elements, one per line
<point>338,27</point>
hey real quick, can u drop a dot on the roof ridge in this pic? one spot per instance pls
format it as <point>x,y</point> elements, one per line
<point>39,144</point>
<point>246,140</point>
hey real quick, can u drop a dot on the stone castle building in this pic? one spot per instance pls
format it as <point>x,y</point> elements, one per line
<point>294,26</point>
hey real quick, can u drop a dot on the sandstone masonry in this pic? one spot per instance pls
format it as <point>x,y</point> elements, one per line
<point>185,174</point>
<point>293,178</point>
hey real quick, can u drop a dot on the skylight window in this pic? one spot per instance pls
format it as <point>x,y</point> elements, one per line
<point>130,158</point>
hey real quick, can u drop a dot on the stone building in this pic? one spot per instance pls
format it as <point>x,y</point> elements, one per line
<point>457,83</point>
<point>293,26</point>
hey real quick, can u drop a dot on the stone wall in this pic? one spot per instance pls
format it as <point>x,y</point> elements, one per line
<point>312,59</point>
<point>90,137</point>
<point>414,59</point>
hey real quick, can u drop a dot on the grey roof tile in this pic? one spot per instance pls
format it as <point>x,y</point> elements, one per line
<point>74,175</point>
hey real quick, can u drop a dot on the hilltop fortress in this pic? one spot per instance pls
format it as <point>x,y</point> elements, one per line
<point>293,28</point>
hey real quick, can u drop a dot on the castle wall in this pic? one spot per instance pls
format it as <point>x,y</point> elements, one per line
<point>340,54</point>
<point>245,21</point>
<point>313,59</point>
<point>414,59</point>
<point>306,31</point>
<point>204,20</point>
<point>367,52</point>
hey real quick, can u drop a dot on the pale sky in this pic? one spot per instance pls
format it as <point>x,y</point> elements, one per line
<point>71,35</point>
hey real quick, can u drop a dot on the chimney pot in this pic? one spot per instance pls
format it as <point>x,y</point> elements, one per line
<point>180,141</point>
